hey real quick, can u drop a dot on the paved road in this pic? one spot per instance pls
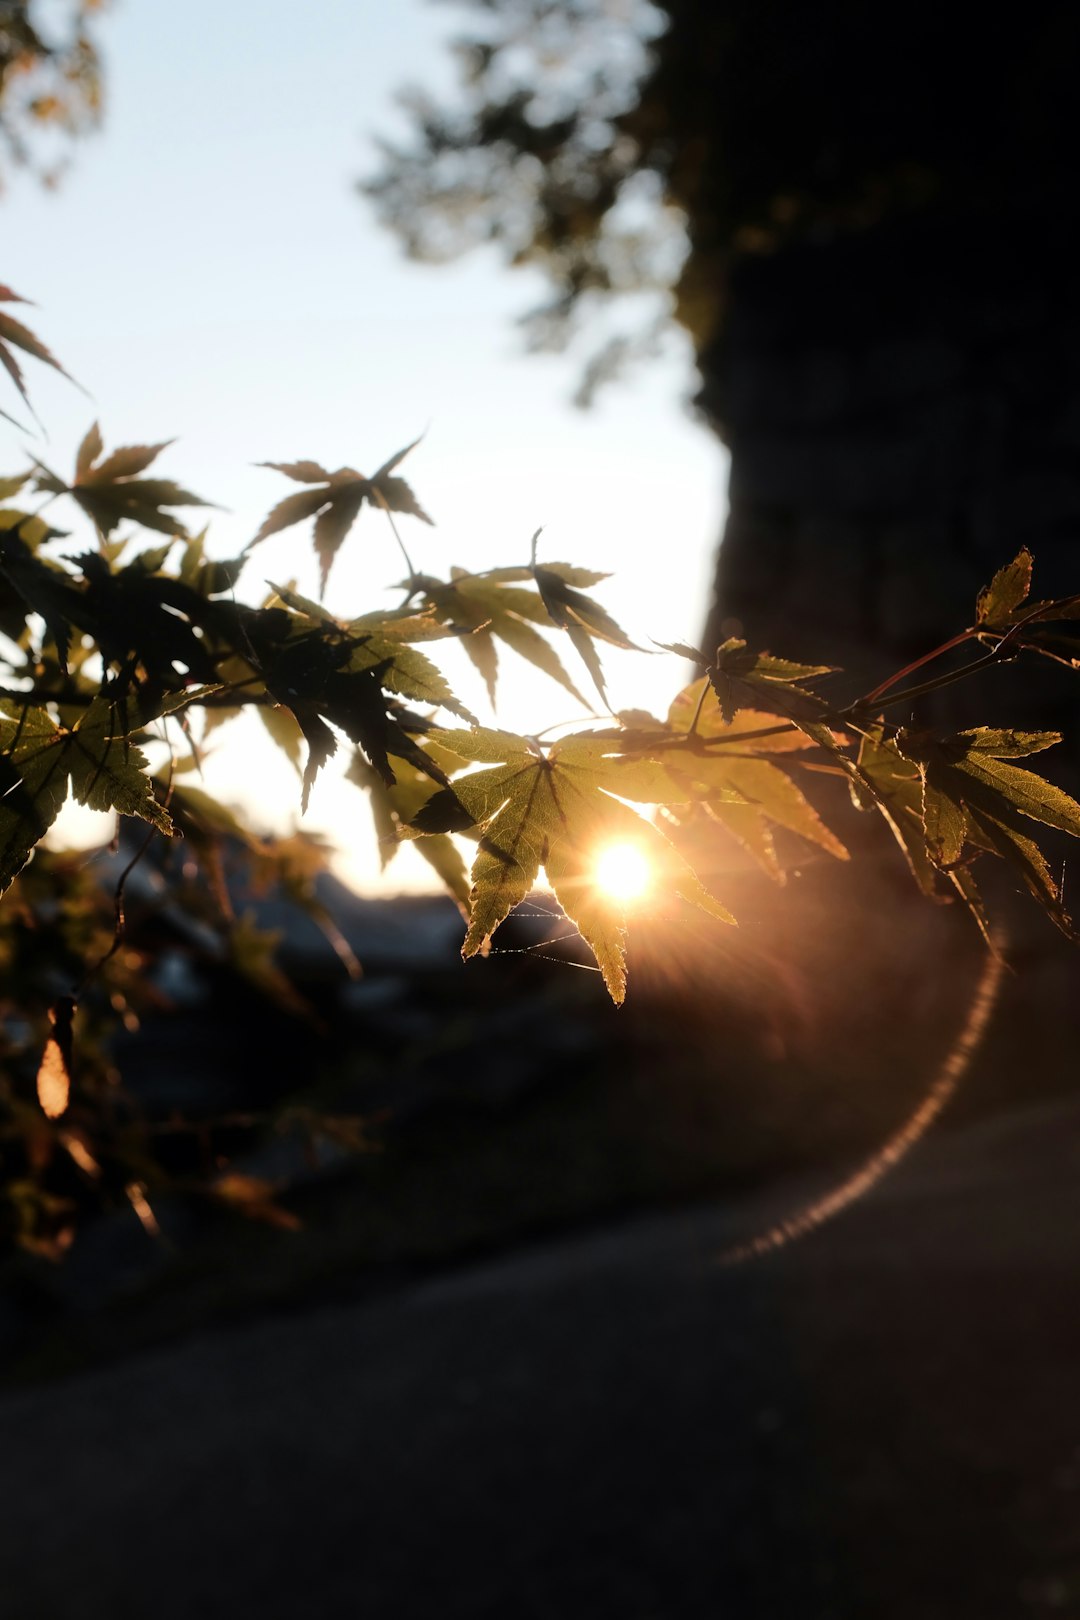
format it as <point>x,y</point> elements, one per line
<point>882,1421</point>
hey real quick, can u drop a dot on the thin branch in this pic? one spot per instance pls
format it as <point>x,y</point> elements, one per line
<point>916,663</point>
<point>119,918</point>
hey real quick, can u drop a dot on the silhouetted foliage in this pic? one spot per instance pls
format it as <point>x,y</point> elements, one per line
<point>628,148</point>
<point>50,81</point>
<point>118,661</point>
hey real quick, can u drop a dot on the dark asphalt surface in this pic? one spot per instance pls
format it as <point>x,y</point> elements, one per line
<point>880,1421</point>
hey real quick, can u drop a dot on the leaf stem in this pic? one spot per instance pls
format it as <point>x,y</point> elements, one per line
<point>705,687</point>
<point>394,529</point>
<point>924,687</point>
<point>917,663</point>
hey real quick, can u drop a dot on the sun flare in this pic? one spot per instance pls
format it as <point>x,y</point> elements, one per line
<point>623,872</point>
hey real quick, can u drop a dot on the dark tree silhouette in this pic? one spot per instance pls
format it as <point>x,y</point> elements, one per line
<point>860,218</point>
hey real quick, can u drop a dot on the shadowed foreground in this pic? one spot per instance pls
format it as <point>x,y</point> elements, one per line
<point>881,1421</point>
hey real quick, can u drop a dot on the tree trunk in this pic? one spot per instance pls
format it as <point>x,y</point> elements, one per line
<point>903,412</point>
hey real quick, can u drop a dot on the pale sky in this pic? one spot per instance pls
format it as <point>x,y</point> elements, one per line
<point>209,273</point>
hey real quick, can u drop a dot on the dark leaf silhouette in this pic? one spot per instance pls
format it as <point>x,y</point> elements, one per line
<point>14,335</point>
<point>40,586</point>
<point>111,491</point>
<point>327,679</point>
<point>584,620</point>
<point>336,501</point>
<point>972,796</point>
<point>92,751</point>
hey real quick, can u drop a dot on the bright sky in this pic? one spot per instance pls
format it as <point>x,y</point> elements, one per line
<point>209,273</point>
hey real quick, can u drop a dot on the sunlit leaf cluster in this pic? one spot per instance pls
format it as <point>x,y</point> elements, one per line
<point>123,654</point>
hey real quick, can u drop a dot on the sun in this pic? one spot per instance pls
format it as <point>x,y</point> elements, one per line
<point>623,872</point>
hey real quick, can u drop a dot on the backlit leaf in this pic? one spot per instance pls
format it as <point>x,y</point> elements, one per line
<point>556,811</point>
<point>393,807</point>
<point>697,708</point>
<point>973,797</point>
<point>93,753</point>
<point>1007,591</point>
<point>584,621</point>
<point>486,609</point>
<point>897,792</point>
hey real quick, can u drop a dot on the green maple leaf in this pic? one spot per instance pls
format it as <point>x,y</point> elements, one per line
<point>92,751</point>
<point>489,608</point>
<point>583,619</point>
<point>972,796</point>
<point>557,811</point>
<point>322,672</point>
<point>727,765</point>
<point>407,672</point>
<point>394,806</point>
<point>384,641</point>
<point>335,500</point>
<point>743,679</point>
<point>896,791</point>
<point>110,490</point>
<point>327,680</point>
<point>696,709</point>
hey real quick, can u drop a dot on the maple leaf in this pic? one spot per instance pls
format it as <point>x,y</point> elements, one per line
<point>487,607</point>
<point>407,672</point>
<point>393,807</point>
<point>696,710</point>
<point>322,672</point>
<point>383,640</point>
<point>334,501</point>
<point>253,953</point>
<point>742,678</point>
<point>110,490</point>
<point>92,751</point>
<point>155,619</point>
<point>558,811</point>
<point>1005,617</point>
<point>204,575</point>
<point>722,764</point>
<point>584,620</point>
<point>14,335</point>
<point>38,584</point>
<point>998,603</point>
<point>896,791</point>
<point>972,795</point>
<point>54,1070</point>
<point>327,678</point>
